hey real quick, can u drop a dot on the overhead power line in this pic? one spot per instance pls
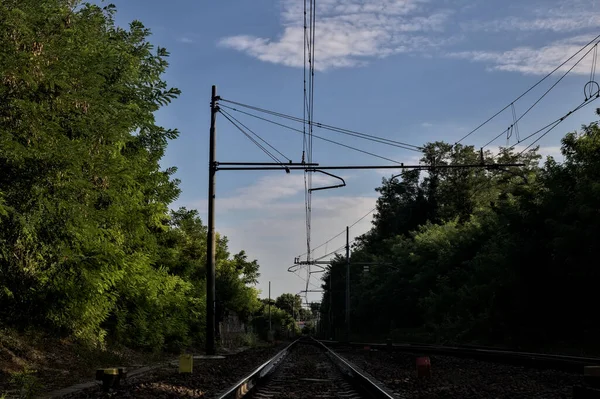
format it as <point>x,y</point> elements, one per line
<point>334,252</point>
<point>528,90</point>
<point>557,122</point>
<point>324,126</point>
<point>314,136</point>
<point>309,97</point>
<point>538,100</point>
<point>253,140</point>
<point>341,232</point>
<point>304,279</point>
<point>251,131</point>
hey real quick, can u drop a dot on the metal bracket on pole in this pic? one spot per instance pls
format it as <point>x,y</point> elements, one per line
<point>285,166</point>
<point>365,167</point>
<point>327,187</point>
<point>294,268</point>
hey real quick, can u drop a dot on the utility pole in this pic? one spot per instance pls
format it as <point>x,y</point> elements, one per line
<point>269,307</point>
<point>330,304</point>
<point>348,283</point>
<point>214,166</point>
<point>211,241</point>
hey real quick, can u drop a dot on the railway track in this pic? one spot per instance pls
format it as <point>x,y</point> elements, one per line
<point>538,360</point>
<point>476,372</point>
<point>307,369</point>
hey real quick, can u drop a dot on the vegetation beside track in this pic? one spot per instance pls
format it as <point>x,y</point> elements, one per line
<point>483,256</point>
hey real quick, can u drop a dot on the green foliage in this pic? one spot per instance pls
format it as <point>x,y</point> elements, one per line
<point>26,383</point>
<point>280,319</point>
<point>290,303</point>
<point>309,328</point>
<point>249,340</point>
<point>234,279</point>
<point>479,255</point>
<point>84,194</point>
<point>88,246</point>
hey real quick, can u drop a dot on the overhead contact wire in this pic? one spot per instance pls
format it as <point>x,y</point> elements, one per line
<point>342,232</point>
<point>347,132</point>
<point>556,123</point>
<point>273,157</point>
<point>260,138</point>
<point>324,139</point>
<point>529,90</point>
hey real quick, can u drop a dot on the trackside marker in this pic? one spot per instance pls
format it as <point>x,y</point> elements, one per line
<point>423,367</point>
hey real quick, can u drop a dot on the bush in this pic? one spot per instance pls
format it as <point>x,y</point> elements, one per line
<point>27,383</point>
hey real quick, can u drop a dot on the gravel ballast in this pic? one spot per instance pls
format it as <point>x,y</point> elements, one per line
<point>453,377</point>
<point>209,378</point>
<point>306,372</point>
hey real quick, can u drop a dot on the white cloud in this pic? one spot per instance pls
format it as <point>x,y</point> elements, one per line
<point>555,24</point>
<point>277,235</point>
<point>267,192</point>
<point>571,16</point>
<point>350,32</point>
<point>551,151</point>
<point>185,40</point>
<point>272,228</point>
<point>534,61</point>
<point>426,124</point>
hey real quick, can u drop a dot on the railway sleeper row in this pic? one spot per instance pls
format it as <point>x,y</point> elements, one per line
<point>307,369</point>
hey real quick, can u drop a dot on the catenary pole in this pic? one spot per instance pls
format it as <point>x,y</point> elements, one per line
<point>211,251</point>
<point>348,283</point>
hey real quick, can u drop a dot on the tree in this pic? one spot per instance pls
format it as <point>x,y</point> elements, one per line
<point>84,195</point>
<point>459,248</point>
<point>233,277</point>
<point>304,314</point>
<point>290,303</point>
<point>280,319</point>
<point>88,246</point>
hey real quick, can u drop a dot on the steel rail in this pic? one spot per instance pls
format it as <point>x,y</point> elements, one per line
<point>246,384</point>
<point>543,360</point>
<point>369,384</point>
<point>366,383</point>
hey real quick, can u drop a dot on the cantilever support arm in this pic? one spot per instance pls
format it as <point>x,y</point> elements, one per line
<point>327,187</point>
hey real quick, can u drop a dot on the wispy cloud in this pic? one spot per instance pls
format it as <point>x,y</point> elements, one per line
<point>533,61</point>
<point>268,193</point>
<point>266,219</point>
<point>554,24</point>
<point>426,124</point>
<point>185,40</point>
<point>571,16</point>
<point>350,32</point>
<point>274,237</point>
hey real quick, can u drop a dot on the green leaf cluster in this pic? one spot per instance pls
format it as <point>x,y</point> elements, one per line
<point>494,256</point>
<point>88,245</point>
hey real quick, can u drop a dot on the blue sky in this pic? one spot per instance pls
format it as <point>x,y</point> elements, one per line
<point>409,70</point>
